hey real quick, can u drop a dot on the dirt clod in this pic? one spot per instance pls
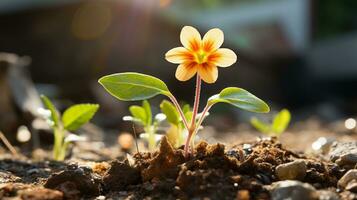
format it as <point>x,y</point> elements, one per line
<point>120,175</point>
<point>75,182</point>
<point>165,163</point>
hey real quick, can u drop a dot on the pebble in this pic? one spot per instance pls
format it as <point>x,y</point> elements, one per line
<point>100,197</point>
<point>292,190</point>
<point>295,170</point>
<point>327,195</point>
<point>126,141</point>
<point>344,154</point>
<point>41,194</point>
<point>352,186</point>
<point>349,180</point>
<point>6,177</point>
<point>322,145</point>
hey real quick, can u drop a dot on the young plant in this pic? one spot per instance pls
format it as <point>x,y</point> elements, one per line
<point>176,132</point>
<point>72,119</point>
<point>197,56</point>
<point>277,127</point>
<point>143,116</point>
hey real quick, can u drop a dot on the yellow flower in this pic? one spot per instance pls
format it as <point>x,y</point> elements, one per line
<point>201,56</point>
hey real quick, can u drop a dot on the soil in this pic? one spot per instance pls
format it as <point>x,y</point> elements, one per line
<point>242,171</point>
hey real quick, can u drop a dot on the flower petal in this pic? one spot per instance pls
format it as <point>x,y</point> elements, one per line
<point>208,72</point>
<point>190,38</point>
<point>178,55</point>
<point>212,40</point>
<point>223,57</point>
<point>185,71</point>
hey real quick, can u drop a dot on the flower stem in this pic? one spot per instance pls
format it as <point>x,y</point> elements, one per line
<point>192,127</point>
<point>203,115</point>
<point>196,102</point>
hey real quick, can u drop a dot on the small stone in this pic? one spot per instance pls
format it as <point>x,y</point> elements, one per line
<point>344,154</point>
<point>243,195</point>
<point>352,186</point>
<point>327,195</point>
<point>292,190</point>
<point>41,194</point>
<point>100,197</point>
<point>7,177</point>
<point>295,170</point>
<point>322,145</point>
<point>125,141</point>
<point>351,175</point>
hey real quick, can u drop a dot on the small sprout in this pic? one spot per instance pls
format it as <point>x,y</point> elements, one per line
<point>198,56</point>
<point>277,127</point>
<point>175,133</point>
<point>142,115</point>
<point>73,118</point>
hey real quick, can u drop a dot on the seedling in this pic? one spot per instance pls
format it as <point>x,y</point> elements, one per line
<point>176,132</point>
<point>72,119</point>
<point>201,57</point>
<point>277,127</point>
<point>143,116</point>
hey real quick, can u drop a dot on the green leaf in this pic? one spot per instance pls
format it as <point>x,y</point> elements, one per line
<point>139,114</point>
<point>147,108</point>
<point>131,86</point>
<point>281,121</point>
<point>170,111</point>
<point>186,108</point>
<point>75,116</point>
<point>187,112</point>
<point>240,98</point>
<point>260,126</point>
<point>54,112</point>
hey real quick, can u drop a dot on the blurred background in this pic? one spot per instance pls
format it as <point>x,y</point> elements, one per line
<point>295,54</point>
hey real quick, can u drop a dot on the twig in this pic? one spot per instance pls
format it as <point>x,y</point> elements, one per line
<point>8,144</point>
<point>136,139</point>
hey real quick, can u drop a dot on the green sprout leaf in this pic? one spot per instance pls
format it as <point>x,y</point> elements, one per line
<point>54,113</point>
<point>75,116</point>
<point>187,112</point>
<point>170,111</point>
<point>139,114</point>
<point>240,98</point>
<point>131,86</point>
<point>281,121</point>
<point>147,108</point>
<point>260,126</point>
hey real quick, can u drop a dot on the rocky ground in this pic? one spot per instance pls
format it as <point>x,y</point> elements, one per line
<point>262,169</point>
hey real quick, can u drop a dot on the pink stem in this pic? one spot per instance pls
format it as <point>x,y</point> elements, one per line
<point>203,114</point>
<point>196,103</point>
